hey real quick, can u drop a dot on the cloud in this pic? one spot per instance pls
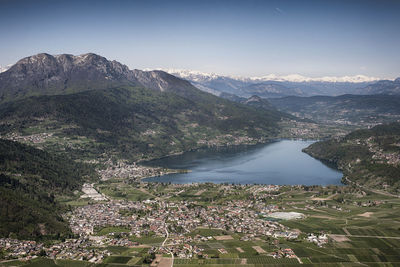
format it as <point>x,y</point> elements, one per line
<point>279,11</point>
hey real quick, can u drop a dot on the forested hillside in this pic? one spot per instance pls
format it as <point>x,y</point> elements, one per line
<point>369,157</point>
<point>135,122</point>
<point>30,180</point>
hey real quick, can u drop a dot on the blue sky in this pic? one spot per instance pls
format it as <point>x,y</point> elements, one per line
<point>248,38</point>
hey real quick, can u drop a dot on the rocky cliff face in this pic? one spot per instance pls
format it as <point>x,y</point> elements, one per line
<point>49,69</point>
<point>62,74</point>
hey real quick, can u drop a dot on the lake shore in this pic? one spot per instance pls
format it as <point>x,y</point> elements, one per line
<point>281,161</point>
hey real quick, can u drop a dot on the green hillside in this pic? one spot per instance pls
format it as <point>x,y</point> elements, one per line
<point>30,180</point>
<point>369,157</point>
<point>133,121</point>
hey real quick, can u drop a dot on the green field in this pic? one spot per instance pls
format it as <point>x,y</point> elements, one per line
<point>112,229</point>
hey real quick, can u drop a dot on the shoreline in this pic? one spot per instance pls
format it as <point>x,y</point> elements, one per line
<point>170,171</point>
<point>238,182</point>
<point>225,146</point>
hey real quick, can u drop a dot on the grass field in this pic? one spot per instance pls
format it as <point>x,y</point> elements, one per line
<point>112,229</point>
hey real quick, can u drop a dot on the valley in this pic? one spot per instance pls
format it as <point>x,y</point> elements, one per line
<point>77,134</point>
<point>340,225</point>
<point>255,133</point>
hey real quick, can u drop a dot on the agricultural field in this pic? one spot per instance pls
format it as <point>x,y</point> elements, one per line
<point>117,189</point>
<point>362,228</point>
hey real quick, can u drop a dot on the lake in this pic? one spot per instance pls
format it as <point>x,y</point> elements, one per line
<point>281,162</point>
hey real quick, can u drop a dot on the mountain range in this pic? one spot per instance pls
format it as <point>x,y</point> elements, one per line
<point>201,76</point>
<point>62,74</point>
<point>272,86</point>
<point>382,87</point>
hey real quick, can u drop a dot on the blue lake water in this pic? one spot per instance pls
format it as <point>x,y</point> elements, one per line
<point>280,162</point>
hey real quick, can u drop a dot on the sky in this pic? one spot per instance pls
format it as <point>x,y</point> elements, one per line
<point>244,38</point>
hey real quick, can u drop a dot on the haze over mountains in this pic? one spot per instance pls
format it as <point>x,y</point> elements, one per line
<point>271,86</point>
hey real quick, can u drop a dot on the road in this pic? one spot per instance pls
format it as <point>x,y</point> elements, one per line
<point>163,243</point>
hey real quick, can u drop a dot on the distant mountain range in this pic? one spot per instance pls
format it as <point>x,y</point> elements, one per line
<point>272,86</point>
<point>386,87</point>
<point>201,76</point>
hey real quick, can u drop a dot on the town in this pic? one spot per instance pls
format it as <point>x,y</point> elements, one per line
<point>180,223</point>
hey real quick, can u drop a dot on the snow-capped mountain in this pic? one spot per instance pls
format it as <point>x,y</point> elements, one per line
<point>193,75</point>
<point>199,76</point>
<point>273,85</point>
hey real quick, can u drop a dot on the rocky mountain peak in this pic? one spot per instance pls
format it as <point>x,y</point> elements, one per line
<point>48,74</point>
<point>41,61</point>
<point>65,73</point>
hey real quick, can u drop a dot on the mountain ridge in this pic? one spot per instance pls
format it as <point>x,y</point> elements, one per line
<point>387,87</point>
<point>65,73</point>
<point>272,86</point>
<point>198,76</point>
